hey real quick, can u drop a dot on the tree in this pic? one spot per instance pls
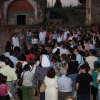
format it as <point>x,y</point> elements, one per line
<point>58,4</point>
<point>82,1</point>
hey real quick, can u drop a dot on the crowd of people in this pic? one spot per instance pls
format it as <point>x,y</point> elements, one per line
<point>66,62</point>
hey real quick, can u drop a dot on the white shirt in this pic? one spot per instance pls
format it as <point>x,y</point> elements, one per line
<point>6,54</point>
<point>15,41</point>
<point>27,79</point>
<point>29,33</point>
<point>65,84</point>
<point>55,49</point>
<point>34,68</point>
<point>59,39</point>
<point>63,51</point>
<point>75,35</point>
<point>71,37</point>
<point>91,60</point>
<point>42,35</point>
<point>34,41</point>
<point>2,64</point>
<point>65,34</point>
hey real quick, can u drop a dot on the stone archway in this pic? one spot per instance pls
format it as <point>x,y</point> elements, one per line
<point>7,3</point>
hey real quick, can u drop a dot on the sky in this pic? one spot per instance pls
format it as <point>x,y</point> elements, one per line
<point>65,2</point>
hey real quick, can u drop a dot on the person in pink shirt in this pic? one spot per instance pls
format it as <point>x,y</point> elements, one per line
<point>86,44</point>
<point>4,88</point>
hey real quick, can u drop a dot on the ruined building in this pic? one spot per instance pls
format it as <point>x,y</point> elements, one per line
<point>22,12</point>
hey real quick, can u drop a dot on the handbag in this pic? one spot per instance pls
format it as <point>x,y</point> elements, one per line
<point>20,81</point>
<point>42,88</point>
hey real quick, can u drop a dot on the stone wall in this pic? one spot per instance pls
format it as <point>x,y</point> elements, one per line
<point>95,12</point>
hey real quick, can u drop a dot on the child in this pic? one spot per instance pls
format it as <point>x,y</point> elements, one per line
<point>4,88</point>
<point>35,42</point>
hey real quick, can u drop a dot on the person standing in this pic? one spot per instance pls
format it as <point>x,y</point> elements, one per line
<point>90,59</point>
<point>27,85</point>
<point>72,70</point>
<point>11,76</point>
<point>51,92</point>
<point>64,85</point>
<point>42,36</point>
<point>15,40</point>
<point>23,36</point>
<point>83,82</point>
<point>29,37</point>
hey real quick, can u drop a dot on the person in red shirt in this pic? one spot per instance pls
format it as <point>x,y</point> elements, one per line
<point>29,54</point>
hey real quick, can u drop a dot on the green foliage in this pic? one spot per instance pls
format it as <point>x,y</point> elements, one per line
<point>58,4</point>
<point>82,1</point>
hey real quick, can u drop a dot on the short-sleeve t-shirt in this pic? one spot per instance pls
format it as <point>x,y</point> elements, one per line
<point>84,80</point>
<point>3,90</point>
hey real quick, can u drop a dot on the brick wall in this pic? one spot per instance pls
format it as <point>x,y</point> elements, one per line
<point>21,5</point>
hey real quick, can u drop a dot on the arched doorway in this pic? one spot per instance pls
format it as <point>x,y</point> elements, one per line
<point>20,12</point>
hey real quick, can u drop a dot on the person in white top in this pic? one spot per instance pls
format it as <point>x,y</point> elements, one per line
<point>15,40</point>
<point>29,37</point>
<point>6,53</point>
<point>74,34</point>
<point>60,37</point>
<point>57,46</point>
<point>64,85</point>
<point>42,36</point>
<point>34,40</point>
<point>65,33</point>
<point>91,59</point>
<point>27,85</point>
<point>64,50</point>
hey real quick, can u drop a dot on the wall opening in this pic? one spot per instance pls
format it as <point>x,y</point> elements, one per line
<point>21,19</point>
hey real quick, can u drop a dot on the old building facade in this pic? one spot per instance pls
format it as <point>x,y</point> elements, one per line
<point>22,12</point>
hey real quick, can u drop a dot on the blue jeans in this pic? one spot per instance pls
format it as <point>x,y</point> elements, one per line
<point>73,77</point>
<point>98,94</point>
<point>83,96</point>
<point>42,94</point>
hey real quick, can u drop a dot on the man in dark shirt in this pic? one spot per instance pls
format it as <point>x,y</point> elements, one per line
<point>83,83</point>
